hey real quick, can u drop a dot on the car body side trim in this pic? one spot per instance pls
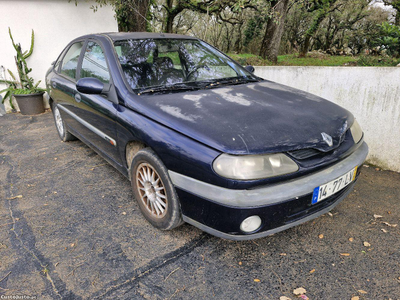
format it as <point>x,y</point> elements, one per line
<point>89,126</point>
<point>274,193</point>
<point>264,233</point>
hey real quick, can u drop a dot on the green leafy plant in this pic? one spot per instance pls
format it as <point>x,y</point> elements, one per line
<point>389,39</point>
<point>25,84</point>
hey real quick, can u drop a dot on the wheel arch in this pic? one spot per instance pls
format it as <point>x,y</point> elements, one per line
<point>51,101</point>
<point>131,148</point>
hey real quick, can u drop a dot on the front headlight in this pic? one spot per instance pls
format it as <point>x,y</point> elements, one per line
<point>356,131</point>
<point>248,167</point>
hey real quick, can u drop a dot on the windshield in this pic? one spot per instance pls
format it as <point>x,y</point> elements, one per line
<point>151,63</point>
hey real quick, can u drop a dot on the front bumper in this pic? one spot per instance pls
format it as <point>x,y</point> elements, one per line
<point>220,211</point>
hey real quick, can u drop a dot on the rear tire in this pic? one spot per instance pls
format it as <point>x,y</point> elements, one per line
<point>154,191</point>
<point>63,133</point>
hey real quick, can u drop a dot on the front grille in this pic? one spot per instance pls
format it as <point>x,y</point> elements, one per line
<point>304,153</point>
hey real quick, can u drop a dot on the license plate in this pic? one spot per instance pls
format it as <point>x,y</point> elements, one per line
<point>324,191</point>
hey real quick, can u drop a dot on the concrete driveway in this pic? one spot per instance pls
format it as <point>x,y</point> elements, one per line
<point>70,229</point>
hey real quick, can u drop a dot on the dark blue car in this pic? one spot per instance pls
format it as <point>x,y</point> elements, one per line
<point>202,139</point>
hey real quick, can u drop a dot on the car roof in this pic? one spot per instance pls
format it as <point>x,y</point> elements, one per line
<point>117,36</point>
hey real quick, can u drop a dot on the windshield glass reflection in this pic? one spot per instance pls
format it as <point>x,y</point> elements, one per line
<point>150,63</point>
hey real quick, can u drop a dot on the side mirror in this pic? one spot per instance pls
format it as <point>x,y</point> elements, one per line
<point>250,69</point>
<point>53,63</point>
<point>90,85</point>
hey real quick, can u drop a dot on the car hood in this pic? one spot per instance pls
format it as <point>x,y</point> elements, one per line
<point>253,118</point>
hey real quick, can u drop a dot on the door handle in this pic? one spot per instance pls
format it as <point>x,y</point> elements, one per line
<point>78,98</point>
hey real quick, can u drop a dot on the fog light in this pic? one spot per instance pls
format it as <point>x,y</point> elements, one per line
<point>250,224</point>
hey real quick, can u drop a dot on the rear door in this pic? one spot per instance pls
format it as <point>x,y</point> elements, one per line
<point>63,85</point>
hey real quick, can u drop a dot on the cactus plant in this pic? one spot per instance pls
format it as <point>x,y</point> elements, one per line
<point>25,85</point>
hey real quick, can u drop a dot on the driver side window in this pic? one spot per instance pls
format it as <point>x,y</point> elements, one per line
<point>94,63</point>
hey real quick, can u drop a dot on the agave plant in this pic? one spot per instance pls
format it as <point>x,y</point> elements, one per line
<point>24,84</point>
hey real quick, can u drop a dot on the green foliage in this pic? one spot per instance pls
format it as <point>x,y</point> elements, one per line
<point>253,29</point>
<point>320,8</point>
<point>389,39</point>
<point>377,61</point>
<point>318,59</point>
<point>250,59</point>
<point>25,85</point>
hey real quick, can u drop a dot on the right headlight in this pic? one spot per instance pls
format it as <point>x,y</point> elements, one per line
<point>250,167</point>
<point>356,131</point>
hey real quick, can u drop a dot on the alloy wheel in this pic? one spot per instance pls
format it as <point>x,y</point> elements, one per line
<point>151,190</point>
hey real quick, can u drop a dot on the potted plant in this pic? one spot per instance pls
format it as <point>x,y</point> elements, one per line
<point>26,92</point>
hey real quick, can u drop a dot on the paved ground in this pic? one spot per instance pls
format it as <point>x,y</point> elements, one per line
<point>70,229</point>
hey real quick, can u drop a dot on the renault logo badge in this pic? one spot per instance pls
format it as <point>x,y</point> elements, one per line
<point>327,139</point>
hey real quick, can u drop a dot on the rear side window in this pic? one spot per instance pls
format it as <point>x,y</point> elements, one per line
<point>59,60</point>
<point>94,63</point>
<point>71,59</point>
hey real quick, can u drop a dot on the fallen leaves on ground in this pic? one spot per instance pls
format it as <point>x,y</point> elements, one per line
<point>351,239</point>
<point>362,292</point>
<point>257,280</point>
<point>390,225</point>
<point>378,216</point>
<point>284,298</point>
<point>312,271</point>
<point>366,244</point>
<point>355,298</point>
<point>345,254</point>
<point>15,197</point>
<point>384,230</point>
<point>321,236</point>
<point>299,291</point>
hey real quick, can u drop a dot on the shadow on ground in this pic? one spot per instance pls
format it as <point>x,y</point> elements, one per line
<point>69,229</point>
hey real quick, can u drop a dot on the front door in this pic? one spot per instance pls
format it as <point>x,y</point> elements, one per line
<point>96,112</point>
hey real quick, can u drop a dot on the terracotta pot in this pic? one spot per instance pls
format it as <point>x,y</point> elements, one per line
<point>31,104</point>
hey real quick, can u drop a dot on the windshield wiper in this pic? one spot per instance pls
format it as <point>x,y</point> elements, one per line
<point>166,88</point>
<point>231,81</point>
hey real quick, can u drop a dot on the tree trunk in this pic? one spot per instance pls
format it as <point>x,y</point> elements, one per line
<point>132,15</point>
<point>169,23</point>
<point>273,33</point>
<point>228,39</point>
<point>169,20</point>
<point>305,46</point>
<point>238,42</point>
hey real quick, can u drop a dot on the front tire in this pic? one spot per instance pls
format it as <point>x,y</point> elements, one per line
<point>154,191</point>
<point>63,133</point>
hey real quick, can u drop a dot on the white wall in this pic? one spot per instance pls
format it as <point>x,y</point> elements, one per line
<point>55,22</point>
<point>372,94</point>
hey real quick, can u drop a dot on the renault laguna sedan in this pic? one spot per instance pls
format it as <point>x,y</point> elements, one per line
<point>201,138</point>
